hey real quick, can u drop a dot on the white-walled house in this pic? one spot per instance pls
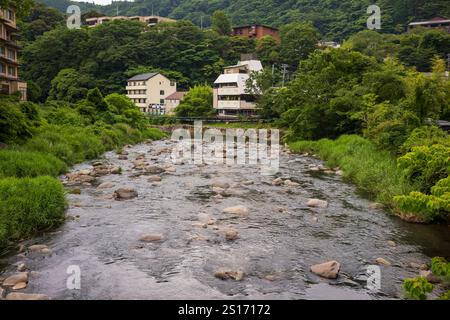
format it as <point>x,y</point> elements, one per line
<point>173,101</point>
<point>230,94</point>
<point>149,90</point>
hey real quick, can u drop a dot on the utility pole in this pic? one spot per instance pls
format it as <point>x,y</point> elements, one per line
<point>447,72</point>
<point>201,22</point>
<point>285,66</point>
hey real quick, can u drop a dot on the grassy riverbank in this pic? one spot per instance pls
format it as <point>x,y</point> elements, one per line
<point>416,185</point>
<point>375,172</point>
<point>57,136</point>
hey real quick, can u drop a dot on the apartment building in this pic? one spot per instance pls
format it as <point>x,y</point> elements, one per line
<point>230,90</point>
<point>434,23</point>
<point>149,20</point>
<point>9,66</point>
<point>149,91</point>
<point>256,31</point>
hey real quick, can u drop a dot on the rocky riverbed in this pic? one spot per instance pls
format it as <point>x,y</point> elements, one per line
<point>140,227</point>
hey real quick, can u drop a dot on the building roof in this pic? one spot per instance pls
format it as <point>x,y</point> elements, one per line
<point>252,65</point>
<point>179,95</point>
<point>435,20</point>
<point>255,25</point>
<point>143,76</point>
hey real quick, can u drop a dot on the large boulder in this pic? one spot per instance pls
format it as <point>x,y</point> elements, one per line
<point>154,170</point>
<point>317,203</point>
<point>237,210</point>
<point>125,194</point>
<point>151,237</point>
<point>26,296</point>
<point>228,274</point>
<point>231,234</point>
<point>382,262</point>
<point>329,270</point>
<point>11,281</point>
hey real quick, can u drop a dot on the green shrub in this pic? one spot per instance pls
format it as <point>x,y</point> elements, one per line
<point>373,171</point>
<point>14,125</point>
<point>70,144</point>
<point>426,208</point>
<point>424,166</point>
<point>441,268</point>
<point>22,164</point>
<point>29,205</point>
<point>417,288</point>
<point>426,136</point>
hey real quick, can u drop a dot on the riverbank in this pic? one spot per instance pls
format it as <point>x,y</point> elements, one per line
<point>42,142</point>
<point>384,178</point>
<point>373,171</point>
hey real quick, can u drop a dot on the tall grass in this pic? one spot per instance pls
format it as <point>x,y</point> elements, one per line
<point>29,205</point>
<point>21,164</point>
<point>374,171</point>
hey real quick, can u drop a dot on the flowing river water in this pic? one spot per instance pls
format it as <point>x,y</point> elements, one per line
<point>278,241</point>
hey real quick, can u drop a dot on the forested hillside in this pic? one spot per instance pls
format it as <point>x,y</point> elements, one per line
<point>335,19</point>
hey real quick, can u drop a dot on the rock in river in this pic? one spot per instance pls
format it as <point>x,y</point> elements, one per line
<point>106,185</point>
<point>231,234</point>
<point>382,262</point>
<point>125,194</point>
<point>15,279</point>
<point>26,296</point>
<point>329,270</point>
<point>226,274</point>
<point>42,248</point>
<point>317,203</point>
<point>151,237</point>
<point>20,286</point>
<point>238,210</point>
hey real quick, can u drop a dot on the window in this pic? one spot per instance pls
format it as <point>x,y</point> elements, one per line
<point>2,51</point>
<point>2,68</point>
<point>10,15</point>
<point>172,83</point>
<point>11,54</point>
<point>161,92</point>
<point>12,71</point>
<point>161,101</point>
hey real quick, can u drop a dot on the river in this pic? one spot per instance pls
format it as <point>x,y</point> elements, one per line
<point>278,241</point>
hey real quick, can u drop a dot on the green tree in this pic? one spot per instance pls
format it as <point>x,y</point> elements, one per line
<point>23,7</point>
<point>69,85</point>
<point>220,23</point>
<point>198,102</point>
<point>298,40</point>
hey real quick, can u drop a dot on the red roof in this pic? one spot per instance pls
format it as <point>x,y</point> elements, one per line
<point>179,95</point>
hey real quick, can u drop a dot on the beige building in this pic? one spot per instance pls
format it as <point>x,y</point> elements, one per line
<point>9,65</point>
<point>230,89</point>
<point>149,20</point>
<point>149,91</point>
<point>173,101</point>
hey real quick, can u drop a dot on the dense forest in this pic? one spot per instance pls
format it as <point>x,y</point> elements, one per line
<point>335,19</point>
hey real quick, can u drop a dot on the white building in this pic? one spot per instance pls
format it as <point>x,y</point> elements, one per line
<point>149,91</point>
<point>230,95</point>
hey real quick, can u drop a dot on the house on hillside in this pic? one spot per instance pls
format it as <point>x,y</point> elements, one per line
<point>230,95</point>
<point>256,31</point>
<point>172,101</point>
<point>9,65</point>
<point>149,91</point>
<point>434,23</point>
<point>149,20</point>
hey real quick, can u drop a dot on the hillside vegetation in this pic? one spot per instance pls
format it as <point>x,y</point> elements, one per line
<point>335,19</point>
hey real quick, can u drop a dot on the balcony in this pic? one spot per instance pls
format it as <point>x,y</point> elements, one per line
<point>9,60</point>
<point>228,91</point>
